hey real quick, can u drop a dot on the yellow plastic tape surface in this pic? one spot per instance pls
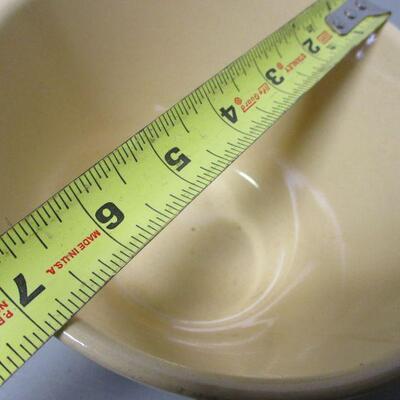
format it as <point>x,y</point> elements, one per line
<point>53,261</point>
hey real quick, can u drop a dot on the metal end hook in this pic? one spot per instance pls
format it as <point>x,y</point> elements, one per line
<point>344,19</point>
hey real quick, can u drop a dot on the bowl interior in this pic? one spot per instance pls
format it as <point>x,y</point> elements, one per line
<point>287,266</point>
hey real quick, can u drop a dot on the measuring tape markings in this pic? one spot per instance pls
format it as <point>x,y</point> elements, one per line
<point>81,237</point>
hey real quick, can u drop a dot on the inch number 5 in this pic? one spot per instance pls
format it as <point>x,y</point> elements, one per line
<point>175,157</point>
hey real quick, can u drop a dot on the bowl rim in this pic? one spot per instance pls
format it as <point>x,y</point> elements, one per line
<point>200,384</point>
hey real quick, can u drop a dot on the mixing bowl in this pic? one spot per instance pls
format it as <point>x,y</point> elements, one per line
<point>282,279</point>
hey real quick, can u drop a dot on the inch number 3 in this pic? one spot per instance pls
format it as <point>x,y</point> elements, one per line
<point>271,75</point>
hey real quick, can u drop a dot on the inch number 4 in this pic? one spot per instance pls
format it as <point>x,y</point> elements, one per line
<point>229,113</point>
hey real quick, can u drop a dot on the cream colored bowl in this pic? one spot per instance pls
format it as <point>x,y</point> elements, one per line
<point>283,278</point>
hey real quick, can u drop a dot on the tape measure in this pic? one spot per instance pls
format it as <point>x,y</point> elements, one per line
<point>58,257</point>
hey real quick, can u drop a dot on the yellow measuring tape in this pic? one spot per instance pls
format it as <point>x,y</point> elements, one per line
<point>54,260</point>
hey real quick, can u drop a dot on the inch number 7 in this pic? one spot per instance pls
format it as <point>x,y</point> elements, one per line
<point>24,297</point>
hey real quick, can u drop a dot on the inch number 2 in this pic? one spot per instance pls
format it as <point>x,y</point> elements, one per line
<point>109,212</point>
<point>310,46</point>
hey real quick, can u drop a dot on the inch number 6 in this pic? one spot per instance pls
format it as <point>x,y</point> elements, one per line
<point>109,212</point>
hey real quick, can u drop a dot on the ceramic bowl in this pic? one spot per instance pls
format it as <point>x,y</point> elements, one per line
<point>282,279</point>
